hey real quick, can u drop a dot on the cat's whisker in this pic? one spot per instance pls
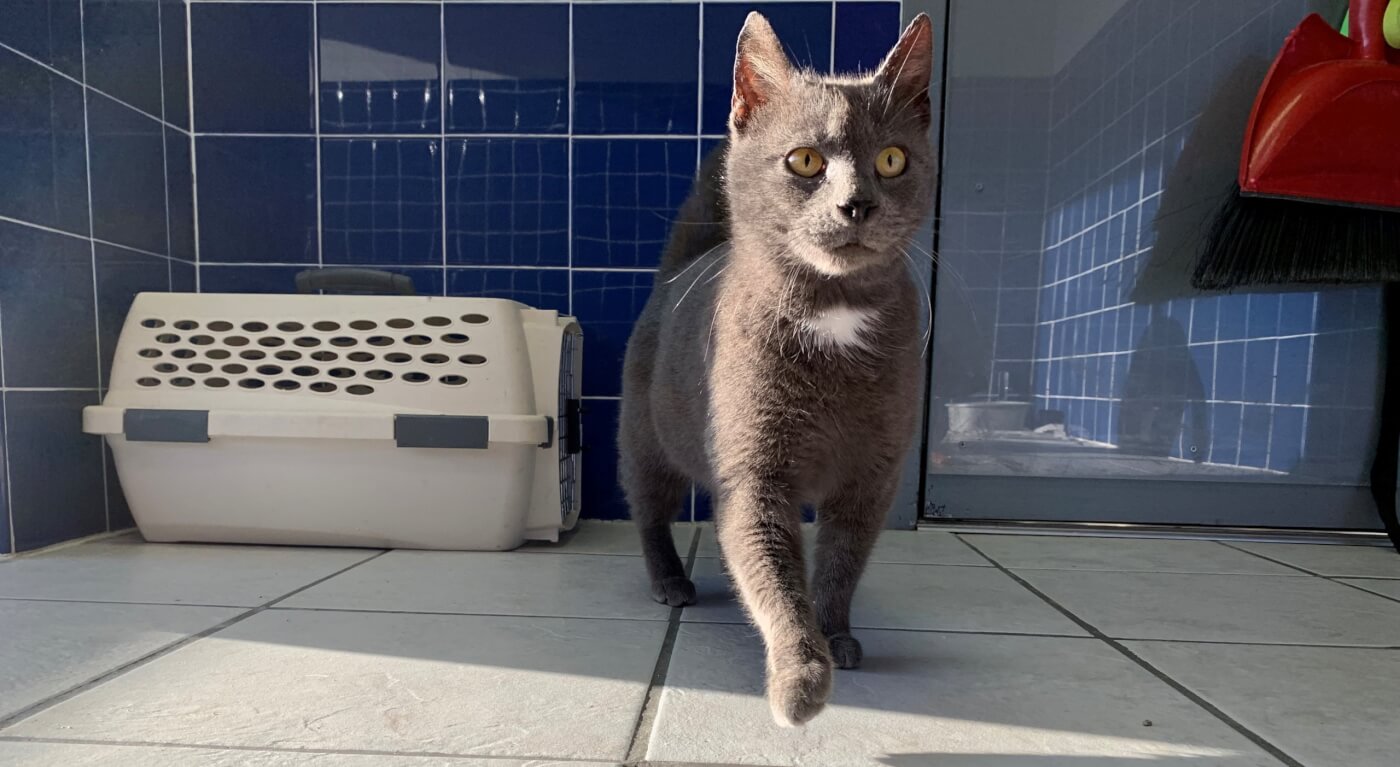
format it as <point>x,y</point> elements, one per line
<point>928,300</point>
<point>693,282</point>
<point>696,261</point>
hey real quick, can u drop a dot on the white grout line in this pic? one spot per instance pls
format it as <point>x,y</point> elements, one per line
<point>569,215</point>
<point>5,446</point>
<point>194,158</point>
<point>442,135</point>
<point>316,125</point>
<point>164,150</point>
<point>85,86</point>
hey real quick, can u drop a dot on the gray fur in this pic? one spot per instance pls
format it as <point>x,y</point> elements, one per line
<point>726,386</point>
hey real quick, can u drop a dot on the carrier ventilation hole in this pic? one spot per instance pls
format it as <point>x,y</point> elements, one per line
<point>472,359</point>
<point>255,327</point>
<point>379,375</point>
<point>437,322</point>
<point>342,341</point>
<point>186,325</point>
<point>415,377</point>
<point>216,383</point>
<point>286,385</point>
<point>363,325</point>
<point>322,387</point>
<point>307,342</point>
<point>398,358</point>
<point>217,354</point>
<point>288,355</point>
<point>453,380</point>
<point>360,389</point>
<point>435,359</point>
<point>360,357</point>
<point>220,326</point>
<point>326,326</point>
<point>399,323</point>
<point>152,323</point>
<point>182,354</point>
<point>341,373</point>
<point>252,354</point>
<point>272,341</point>
<point>290,327</point>
<point>182,382</point>
<point>269,370</point>
<point>150,353</point>
<point>454,338</point>
<point>236,341</point>
<point>303,370</point>
<point>201,340</point>
<point>167,367</point>
<point>417,340</point>
<point>325,356</point>
<point>167,338</point>
<point>200,367</point>
<point>251,383</point>
<point>235,368</point>
<point>379,341</point>
<point>148,381</point>
<point>475,319</point>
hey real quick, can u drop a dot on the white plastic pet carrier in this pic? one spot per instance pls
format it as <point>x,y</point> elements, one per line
<point>347,420</point>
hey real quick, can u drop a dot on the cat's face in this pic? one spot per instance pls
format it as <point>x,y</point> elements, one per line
<point>833,173</point>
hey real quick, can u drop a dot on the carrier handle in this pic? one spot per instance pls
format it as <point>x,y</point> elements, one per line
<point>350,280</point>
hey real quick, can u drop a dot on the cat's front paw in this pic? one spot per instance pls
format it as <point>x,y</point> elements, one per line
<point>845,650</point>
<point>799,690</point>
<point>676,592</point>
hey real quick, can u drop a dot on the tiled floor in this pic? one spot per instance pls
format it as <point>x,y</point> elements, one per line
<point>981,651</point>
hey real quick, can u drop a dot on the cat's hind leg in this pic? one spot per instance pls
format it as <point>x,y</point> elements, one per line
<point>655,492</point>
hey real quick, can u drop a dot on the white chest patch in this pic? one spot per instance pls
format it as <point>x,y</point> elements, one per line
<point>841,327</point>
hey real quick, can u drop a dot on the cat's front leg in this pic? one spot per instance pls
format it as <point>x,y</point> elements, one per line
<point>760,537</point>
<point>847,525</point>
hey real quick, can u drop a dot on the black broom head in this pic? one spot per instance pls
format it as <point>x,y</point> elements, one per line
<point>1270,241</point>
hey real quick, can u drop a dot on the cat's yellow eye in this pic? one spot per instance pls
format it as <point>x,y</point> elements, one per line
<point>805,161</point>
<point>891,162</point>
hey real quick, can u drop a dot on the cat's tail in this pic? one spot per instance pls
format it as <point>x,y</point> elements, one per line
<point>703,220</point>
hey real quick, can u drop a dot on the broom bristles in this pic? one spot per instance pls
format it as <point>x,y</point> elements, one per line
<point>1268,241</point>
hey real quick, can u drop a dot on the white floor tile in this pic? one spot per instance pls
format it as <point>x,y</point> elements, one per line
<point>1044,552</point>
<point>459,685</point>
<point>1364,561</point>
<point>49,647</point>
<point>1225,608</point>
<point>171,573</point>
<point>940,700</point>
<point>616,538</point>
<point>20,754</point>
<point>484,583</point>
<point>1322,706</point>
<point>894,547</point>
<point>1383,586</point>
<point>947,598</point>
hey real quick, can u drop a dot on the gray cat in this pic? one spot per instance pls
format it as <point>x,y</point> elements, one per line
<point>777,362</point>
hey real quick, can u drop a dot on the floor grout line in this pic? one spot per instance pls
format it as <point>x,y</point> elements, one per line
<point>1337,579</point>
<point>160,652</point>
<point>1165,678</point>
<point>651,703</point>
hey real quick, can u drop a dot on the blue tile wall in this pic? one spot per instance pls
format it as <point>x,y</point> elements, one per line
<point>379,68</point>
<point>95,185</point>
<point>635,68</point>
<point>235,90</point>
<point>508,201</point>
<point>381,201</point>
<point>257,199</point>
<point>507,68</point>
<point>804,29</point>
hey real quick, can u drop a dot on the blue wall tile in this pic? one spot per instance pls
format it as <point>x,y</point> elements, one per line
<point>175,77</point>
<point>1286,440</point>
<point>248,279</point>
<point>1254,437</point>
<point>1259,370</point>
<point>606,304</point>
<point>1291,383</point>
<point>626,193</point>
<point>183,277</point>
<point>128,175</point>
<point>46,309</point>
<point>56,490</point>
<point>803,28</point>
<point>121,274</point>
<point>257,199</point>
<point>43,170</point>
<point>179,194</point>
<point>865,33</point>
<point>48,30</point>
<point>602,495</point>
<point>635,68</point>
<point>234,91</point>
<point>379,68</point>
<point>121,61</point>
<point>539,288</point>
<point>1229,372</point>
<point>508,202</point>
<point>507,67</point>
<point>381,201</point>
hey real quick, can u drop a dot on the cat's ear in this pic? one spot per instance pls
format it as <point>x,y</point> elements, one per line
<point>906,71</point>
<point>761,68</point>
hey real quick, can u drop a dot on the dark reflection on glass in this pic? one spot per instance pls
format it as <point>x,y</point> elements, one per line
<point>507,68</point>
<point>1086,151</point>
<point>379,68</point>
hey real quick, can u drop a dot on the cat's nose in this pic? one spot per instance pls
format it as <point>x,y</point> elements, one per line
<point>856,211</point>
